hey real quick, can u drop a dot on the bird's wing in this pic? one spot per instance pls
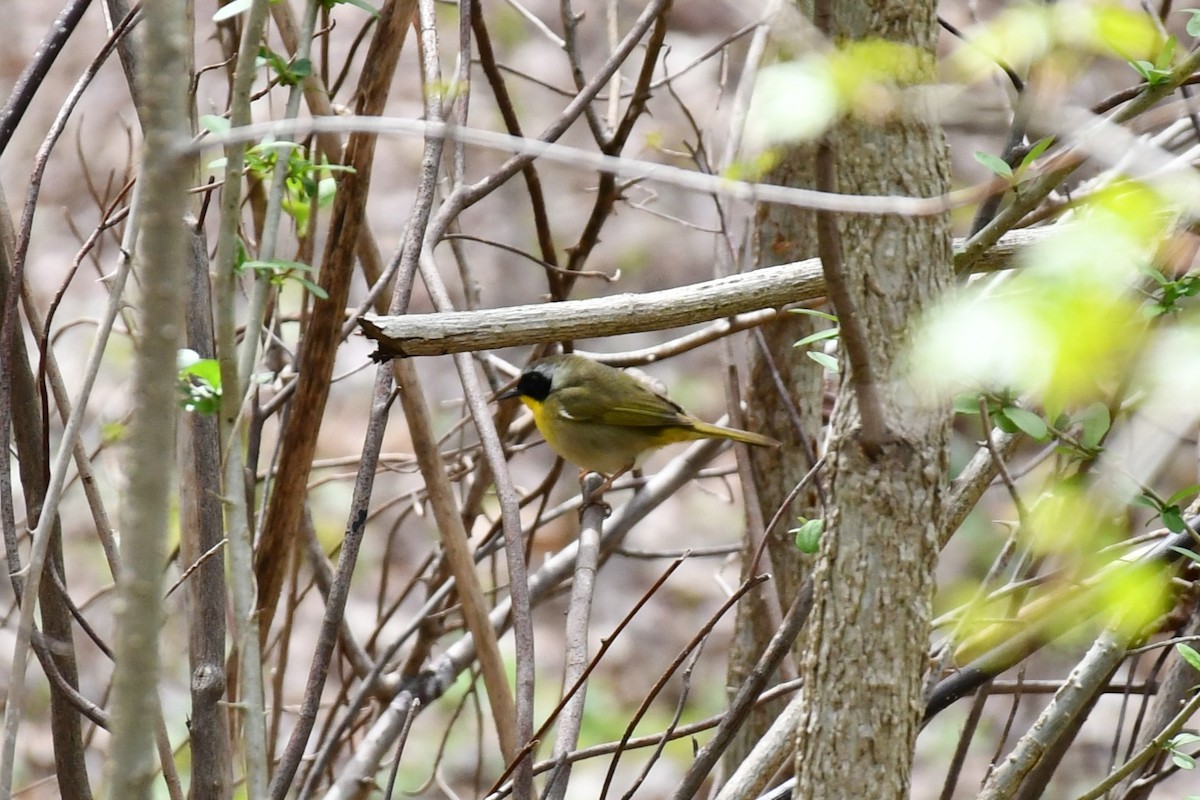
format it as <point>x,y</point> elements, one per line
<point>635,408</point>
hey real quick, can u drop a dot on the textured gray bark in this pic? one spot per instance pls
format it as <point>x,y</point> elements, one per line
<point>785,401</point>
<point>869,629</point>
<point>149,455</point>
<point>202,521</point>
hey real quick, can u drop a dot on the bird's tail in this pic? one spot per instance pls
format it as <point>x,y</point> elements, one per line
<point>704,429</point>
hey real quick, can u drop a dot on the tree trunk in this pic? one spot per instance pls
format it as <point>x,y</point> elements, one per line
<point>785,401</point>
<point>869,628</point>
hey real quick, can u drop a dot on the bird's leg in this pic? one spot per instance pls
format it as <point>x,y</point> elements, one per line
<point>597,494</point>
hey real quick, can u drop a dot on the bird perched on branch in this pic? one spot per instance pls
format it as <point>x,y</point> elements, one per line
<point>604,420</point>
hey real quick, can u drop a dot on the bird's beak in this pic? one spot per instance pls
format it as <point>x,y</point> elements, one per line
<point>508,394</point>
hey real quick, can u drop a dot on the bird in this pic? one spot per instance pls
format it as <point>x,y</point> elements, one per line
<point>604,420</point>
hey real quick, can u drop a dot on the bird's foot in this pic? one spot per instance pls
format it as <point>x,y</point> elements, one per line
<point>595,497</point>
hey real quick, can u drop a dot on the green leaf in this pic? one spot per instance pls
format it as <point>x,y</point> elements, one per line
<point>232,9</point>
<point>215,124</point>
<point>1189,554</point>
<point>1142,68</point>
<point>824,359</point>
<point>1031,424</point>
<point>199,383</point>
<point>1095,421</point>
<point>313,289</point>
<point>1001,420</point>
<point>1150,73</point>
<point>1189,654</point>
<point>1147,500</point>
<point>1172,517</point>
<point>1193,24</point>
<point>828,333</point>
<point>1161,279</point>
<point>1166,55</point>
<point>206,370</point>
<point>1183,760</point>
<point>1035,152</point>
<point>364,5</point>
<point>966,404</point>
<point>326,190</point>
<point>812,312</point>
<point>1183,494</point>
<point>112,432</point>
<point>808,535</point>
<point>994,164</point>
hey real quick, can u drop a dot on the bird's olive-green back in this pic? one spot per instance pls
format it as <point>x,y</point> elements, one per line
<point>589,391</point>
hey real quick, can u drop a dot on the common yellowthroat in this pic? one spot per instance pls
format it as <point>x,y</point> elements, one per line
<point>603,420</point>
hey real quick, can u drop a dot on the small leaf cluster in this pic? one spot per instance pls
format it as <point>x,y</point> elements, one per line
<point>830,363</point>
<point>199,382</point>
<point>1005,415</point>
<point>1174,746</point>
<point>1171,509</point>
<point>1078,434</point>
<point>305,182</point>
<point>1015,176</point>
<point>1171,292</point>
<point>279,271</point>
<point>1158,71</point>
<point>289,72</point>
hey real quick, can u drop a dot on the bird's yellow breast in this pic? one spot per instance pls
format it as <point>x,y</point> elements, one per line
<point>593,446</point>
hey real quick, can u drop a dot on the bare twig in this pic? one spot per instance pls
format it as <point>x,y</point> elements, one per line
<point>696,641</point>
<point>853,337</point>
<point>744,293</point>
<point>625,168</point>
<point>339,592</point>
<point>577,629</point>
<point>41,534</point>
<point>35,70</point>
<point>225,286</point>
<point>743,701</point>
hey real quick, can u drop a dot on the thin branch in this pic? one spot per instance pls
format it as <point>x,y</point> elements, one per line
<point>624,168</point>
<point>579,613</point>
<point>318,349</point>
<point>854,335</point>
<point>1057,720</point>
<point>751,688</point>
<point>38,66</point>
<point>339,592</point>
<point>225,287</point>
<point>41,535</point>
<point>974,480</point>
<point>150,450</point>
<point>696,641</point>
<point>440,674</point>
<point>749,292</point>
